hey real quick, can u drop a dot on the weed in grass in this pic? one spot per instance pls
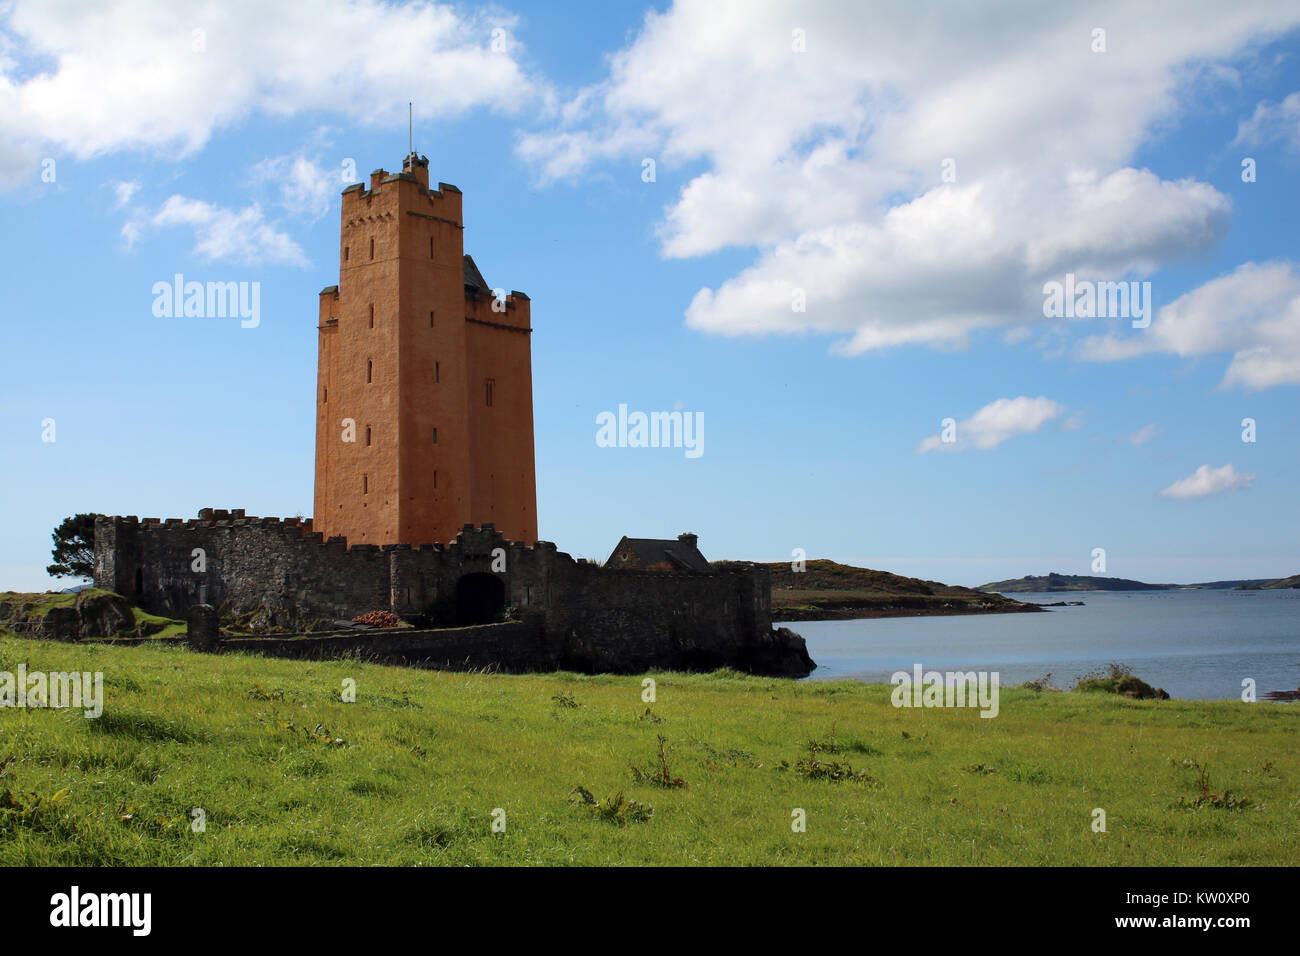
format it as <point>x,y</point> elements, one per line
<point>317,735</point>
<point>615,809</point>
<point>828,745</point>
<point>982,769</point>
<point>565,700</point>
<point>257,693</point>
<point>824,746</point>
<point>154,823</point>
<point>651,716</point>
<point>1208,798</point>
<point>659,774</point>
<point>732,756</point>
<point>832,770</point>
<point>31,811</point>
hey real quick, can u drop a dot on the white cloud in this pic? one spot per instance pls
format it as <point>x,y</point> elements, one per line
<point>122,193</point>
<point>1143,434</point>
<point>828,162</point>
<point>1272,123</point>
<point>240,236</point>
<point>305,189</point>
<point>995,423</point>
<point>1253,312</point>
<point>88,80</point>
<point>1208,481</point>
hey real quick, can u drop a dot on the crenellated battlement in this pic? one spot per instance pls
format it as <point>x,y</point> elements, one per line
<point>301,528</point>
<point>411,187</point>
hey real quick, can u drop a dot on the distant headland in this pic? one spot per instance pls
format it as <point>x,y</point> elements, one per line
<point>1082,582</point>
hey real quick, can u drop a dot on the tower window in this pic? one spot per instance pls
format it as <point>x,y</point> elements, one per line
<point>430,320</point>
<point>367,434</point>
<point>326,399</point>
<point>365,484</point>
<point>489,386</point>
<point>346,250</point>
<point>372,247</point>
<point>372,315</point>
<point>435,436</point>
<point>431,247</point>
<point>370,371</point>
<point>435,371</point>
<point>435,478</point>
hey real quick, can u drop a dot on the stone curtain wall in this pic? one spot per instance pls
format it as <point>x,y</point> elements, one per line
<point>572,615</point>
<point>635,620</point>
<point>248,564</point>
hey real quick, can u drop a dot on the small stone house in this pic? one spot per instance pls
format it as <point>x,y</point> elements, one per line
<point>659,554</point>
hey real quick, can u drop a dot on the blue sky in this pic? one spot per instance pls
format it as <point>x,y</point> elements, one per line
<point>795,147</point>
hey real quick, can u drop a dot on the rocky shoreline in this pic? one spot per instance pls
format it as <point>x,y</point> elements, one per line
<point>865,612</point>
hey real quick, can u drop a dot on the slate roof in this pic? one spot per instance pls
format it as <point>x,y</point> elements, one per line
<point>474,279</point>
<point>680,554</point>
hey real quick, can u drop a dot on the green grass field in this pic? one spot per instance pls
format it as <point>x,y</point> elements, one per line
<point>288,773</point>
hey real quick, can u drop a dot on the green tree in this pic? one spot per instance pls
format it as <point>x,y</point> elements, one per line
<point>74,548</point>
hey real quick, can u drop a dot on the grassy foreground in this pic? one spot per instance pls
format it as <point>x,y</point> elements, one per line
<point>288,773</point>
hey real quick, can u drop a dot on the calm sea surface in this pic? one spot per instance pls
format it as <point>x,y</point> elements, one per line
<point>1194,644</point>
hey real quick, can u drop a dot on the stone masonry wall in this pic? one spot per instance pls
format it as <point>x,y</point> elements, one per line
<point>577,616</point>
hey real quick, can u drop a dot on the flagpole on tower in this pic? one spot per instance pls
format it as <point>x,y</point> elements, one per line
<point>410,118</point>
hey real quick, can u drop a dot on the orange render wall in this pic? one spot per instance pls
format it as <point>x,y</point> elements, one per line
<point>403,487</point>
<point>501,443</point>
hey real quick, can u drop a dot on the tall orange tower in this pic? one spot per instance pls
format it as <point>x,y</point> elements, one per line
<point>424,395</point>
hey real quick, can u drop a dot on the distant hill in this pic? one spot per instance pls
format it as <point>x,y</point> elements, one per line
<point>828,590</point>
<point>1083,582</point>
<point>1276,585</point>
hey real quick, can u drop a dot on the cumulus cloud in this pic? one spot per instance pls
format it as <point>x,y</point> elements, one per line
<point>1143,435</point>
<point>829,163</point>
<point>1208,481</point>
<point>163,75</point>
<point>1253,312</point>
<point>995,423</point>
<point>221,234</point>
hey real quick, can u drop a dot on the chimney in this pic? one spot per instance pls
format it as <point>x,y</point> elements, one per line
<point>689,538</point>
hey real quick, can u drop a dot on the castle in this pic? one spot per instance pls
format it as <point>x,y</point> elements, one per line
<point>425,495</point>
<point>424,406</point>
